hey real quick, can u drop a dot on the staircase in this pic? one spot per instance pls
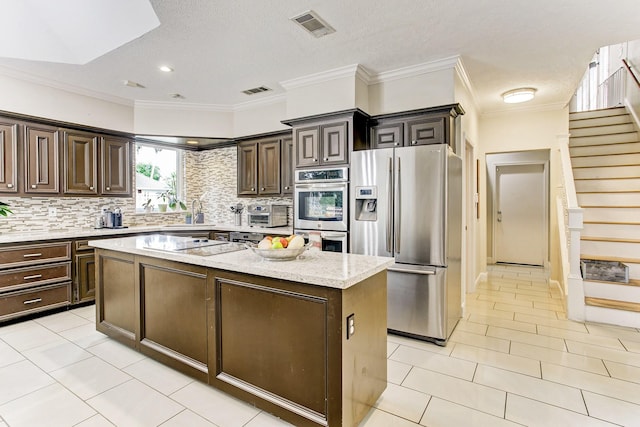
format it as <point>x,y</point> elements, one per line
<point>605,156</point>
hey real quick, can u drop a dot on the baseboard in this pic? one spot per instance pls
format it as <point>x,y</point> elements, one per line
<point>482,277</point>
<point>558,285</point>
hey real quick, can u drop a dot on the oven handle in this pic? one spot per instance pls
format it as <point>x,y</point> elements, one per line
<point>333,236</point>
<point>337,186</point>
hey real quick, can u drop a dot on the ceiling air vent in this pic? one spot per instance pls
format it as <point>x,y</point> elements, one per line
<point>256,90</point>
<point>312,22</point>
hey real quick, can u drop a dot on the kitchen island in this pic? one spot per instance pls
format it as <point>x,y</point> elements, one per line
<point>302,339</point>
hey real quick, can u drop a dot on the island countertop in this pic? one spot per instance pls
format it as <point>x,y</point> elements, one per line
<point>327,269</point>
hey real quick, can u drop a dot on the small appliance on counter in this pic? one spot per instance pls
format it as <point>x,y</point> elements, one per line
<point>109,218</point>
<point>267,215</point>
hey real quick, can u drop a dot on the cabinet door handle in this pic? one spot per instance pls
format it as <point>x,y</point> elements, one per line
<point>35,276</point>
<point>91,188</point>
<point>396,144</point>
<point>253,189</point>
<point>261,188</point>
<point>326,159</point>
<point>33,186</point>
<point>315,160</point>
<point>32,301</point>
<point>286,187</point>
<point>108,188</point>
<point>31,255</point>
<point>9,185</point>
<point>414,142</point>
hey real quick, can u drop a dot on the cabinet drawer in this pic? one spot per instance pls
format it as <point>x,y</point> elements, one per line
<point>22,277</point>
<point>82,245</point>
<point>18,256</point>
<point>19,303</point>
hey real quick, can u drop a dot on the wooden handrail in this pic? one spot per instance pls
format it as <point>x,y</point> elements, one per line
<point>626,64</point>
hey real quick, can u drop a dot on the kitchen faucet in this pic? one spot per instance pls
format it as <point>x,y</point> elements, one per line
<point>193,210</point>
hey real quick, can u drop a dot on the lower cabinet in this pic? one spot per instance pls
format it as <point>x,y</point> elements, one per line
<point>34,278</point>
<point>279,345</point>
<point>116,295</point>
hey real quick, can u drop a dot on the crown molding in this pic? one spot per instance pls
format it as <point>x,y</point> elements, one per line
<point>184,106</point>
<point>269,100</point>
<point>30,78</point>
<point>415,70</point>
<point>461,71</point>
<point>324,76</point>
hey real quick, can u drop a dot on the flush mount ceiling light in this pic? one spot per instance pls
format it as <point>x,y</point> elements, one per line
<point>99,26</point>
<point>312,23</point>
<point>516,96</point>
<point>165,68</point>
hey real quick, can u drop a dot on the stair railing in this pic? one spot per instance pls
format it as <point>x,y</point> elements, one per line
<point>611,91</point>
<point>631,73</point>
<point>570,217</point>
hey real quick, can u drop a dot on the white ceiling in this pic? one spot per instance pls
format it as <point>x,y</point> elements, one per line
<point>219,48</point>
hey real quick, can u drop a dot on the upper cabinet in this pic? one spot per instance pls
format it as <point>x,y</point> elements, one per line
<point>89,156</point>
<point>329,138</point>
<point>116,166</point>
<point>80,163</point>
<point>264,165</point>
<point>8,157</point>
<point>286,165</point>
<point>41,160</point>
<point>417,127</point>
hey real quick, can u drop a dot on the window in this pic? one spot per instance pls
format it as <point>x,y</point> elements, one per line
<point>158,177</point>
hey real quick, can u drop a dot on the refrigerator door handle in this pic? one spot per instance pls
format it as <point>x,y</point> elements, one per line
<point>398,216</point>
<point>389,205</point>
<point>406,270</point>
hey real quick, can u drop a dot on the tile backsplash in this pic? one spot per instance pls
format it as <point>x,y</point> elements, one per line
<point>210,176</point>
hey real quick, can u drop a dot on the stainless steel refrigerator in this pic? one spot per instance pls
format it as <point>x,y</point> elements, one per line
<point>407,203</point>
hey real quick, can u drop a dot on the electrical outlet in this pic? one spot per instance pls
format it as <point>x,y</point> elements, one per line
<point>351,325</point>
<point>53,212</point>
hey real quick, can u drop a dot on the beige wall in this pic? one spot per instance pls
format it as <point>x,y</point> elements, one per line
<point>260,118</point>
<point>34,99</point>
<point>172,119</point>
<point>519,131</point>
<point>632,95</point>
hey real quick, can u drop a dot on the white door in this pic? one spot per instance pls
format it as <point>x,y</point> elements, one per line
<point>521,227</point>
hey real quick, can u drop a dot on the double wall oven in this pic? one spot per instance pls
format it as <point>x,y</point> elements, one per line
<point>321,200</point>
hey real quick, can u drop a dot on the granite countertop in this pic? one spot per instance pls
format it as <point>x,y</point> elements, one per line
<point>328,269</point>
<point>21,237</point>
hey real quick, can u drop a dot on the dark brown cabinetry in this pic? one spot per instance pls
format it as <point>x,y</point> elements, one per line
<point>34,278</point>
<point>41,159</point>
<point>8,157</point>
<point>322,145</point>
<point>80,172</point>
<point>116,166</point>
<point>286,165</point>
<point>417,127</point>
<point>329,138</point>
<point>85,154</point>
<point>84,278</point>
<point>264,165</point>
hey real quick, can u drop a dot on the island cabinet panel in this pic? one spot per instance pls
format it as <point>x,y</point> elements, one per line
<point>117,297</point>
<point>174,315</point>
<point>256,339</point>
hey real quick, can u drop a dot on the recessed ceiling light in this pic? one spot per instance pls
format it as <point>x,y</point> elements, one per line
<point>165,68</point>
<point>519,95</point>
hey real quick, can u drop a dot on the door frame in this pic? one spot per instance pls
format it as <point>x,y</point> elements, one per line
<point>517,158</point>
<point>469,218</point>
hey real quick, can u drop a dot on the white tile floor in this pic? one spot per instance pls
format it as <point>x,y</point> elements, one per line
<point>514,359</point>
